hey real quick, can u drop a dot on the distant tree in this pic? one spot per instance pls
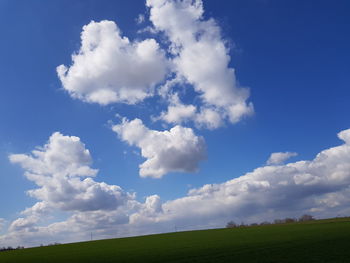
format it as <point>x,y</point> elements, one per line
<point>265,223</point>
<point>54,244</point>
<point>253,224</point>
<point>289,220</point>
<point>231,224</point>
<point>6,248</point>
<point>306,217</point>
<point>10,248</point>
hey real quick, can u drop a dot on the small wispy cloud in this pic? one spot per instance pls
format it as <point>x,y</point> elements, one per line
<point>280,157</point>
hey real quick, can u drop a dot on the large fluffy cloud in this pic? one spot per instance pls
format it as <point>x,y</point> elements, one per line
<point>61,169</point>
<point>319,187</point>
<point>176,150</point>
<point>63,155</point>
<point>109,68</point>
<point>201,58</point>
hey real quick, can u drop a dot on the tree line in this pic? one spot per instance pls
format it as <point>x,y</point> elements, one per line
<point>303,218</point>
<point>10,248</point>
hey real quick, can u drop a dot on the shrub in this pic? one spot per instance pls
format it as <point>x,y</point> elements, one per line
<point>306,217</point>
<point>289,220</point>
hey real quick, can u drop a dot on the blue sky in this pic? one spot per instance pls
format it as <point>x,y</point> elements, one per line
<point>293,56</point>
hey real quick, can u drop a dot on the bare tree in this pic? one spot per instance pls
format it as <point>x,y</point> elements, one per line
<point>231,224</point>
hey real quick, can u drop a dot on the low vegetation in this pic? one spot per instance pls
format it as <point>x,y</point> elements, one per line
<point>9,248</point>
<point>287,220</point>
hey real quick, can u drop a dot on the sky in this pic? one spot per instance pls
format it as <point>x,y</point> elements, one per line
<point>123,118</point>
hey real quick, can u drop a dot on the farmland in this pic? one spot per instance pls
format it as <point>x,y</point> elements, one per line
<point>315,241</point>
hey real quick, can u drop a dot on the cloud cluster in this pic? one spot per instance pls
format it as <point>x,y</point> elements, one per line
<point>176,150</point>
<point>200,57</point>
<point>319,187</point>
<point>61,170</point>
<point>280,157</point>
<point>179,113</point>
<point>109,68</point>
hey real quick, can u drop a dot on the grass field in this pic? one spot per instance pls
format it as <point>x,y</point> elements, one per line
<point>317,241</point>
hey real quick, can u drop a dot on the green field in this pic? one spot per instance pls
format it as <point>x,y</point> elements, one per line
<point>317,241</point>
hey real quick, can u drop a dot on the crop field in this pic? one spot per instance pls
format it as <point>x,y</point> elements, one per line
<point>315,241</point>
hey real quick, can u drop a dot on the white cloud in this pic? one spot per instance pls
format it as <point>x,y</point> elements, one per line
<point>201,58</point>
<point>61,170</point>
<point>178,113</point>
<point>345,136</point>
<point>176,150</point>
<point>57,168</point>
<point>65,155</point>
<point>280,157</point>
<point>209,118</point>
<point>148,211</point>
<point>319,187</point>
<point>140,19</point>
<point>109,68</point>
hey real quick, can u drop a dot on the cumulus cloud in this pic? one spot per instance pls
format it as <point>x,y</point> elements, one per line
<point>280,157</point>
<point>201,57</point>
<point>345,136</point>
<point>61,169</point>
<point>30,217</point>
<point>319,187</point>
<point>65,155</point>
<point>176,150</point>
<point>109,68</point>
<point>178,113</point>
